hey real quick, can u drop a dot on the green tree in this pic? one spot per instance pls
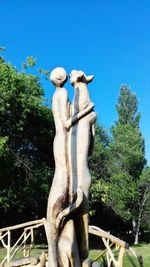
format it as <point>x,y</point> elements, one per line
<point>143,202</point>
<point>127,159</point>
<point>98,167</point>
<point>26,140</point>
<point>127,107</point>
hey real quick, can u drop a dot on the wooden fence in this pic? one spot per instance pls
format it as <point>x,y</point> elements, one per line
<point>115,250</point>
<point>113,254</point>
<point>27,234</point>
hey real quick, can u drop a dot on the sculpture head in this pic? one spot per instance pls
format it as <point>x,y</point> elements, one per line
<point>58,77</point>
<point>79,76</point>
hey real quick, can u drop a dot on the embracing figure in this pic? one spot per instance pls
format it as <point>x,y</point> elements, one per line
<point>68,199</point>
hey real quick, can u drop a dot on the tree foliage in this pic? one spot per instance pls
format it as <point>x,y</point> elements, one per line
<point>143,199</point>
<point>127,158</point>
<point>127,107</point>
<point>127,149</point>
<point>26,138</point>
<point>98,167</point>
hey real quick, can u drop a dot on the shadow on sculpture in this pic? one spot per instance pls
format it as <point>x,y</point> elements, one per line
<point>67,212</point>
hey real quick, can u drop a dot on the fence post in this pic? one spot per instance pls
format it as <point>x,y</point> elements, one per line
<point>8,246</point>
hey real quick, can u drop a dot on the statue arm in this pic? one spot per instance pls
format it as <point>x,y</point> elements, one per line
<point>64,111</point>
<point>79,116</point>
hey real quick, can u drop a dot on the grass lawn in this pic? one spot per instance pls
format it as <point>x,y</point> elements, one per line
<point>142,249</point>
<point>35,252</point>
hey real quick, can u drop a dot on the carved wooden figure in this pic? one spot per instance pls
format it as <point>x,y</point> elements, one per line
<point>79,141</point>
<point>68,199</point>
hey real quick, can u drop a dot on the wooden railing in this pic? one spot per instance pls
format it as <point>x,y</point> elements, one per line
<point>21,243</point>
<point>114,252</point>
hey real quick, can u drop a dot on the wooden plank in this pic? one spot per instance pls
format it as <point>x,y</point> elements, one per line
<point>8,246</point>
<point>28,260</point>
<point>99,232</point>
<point>22,225</point>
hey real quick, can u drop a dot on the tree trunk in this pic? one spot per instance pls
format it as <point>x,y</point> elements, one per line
<point>137,225</point>
<point>136,228</point>
<point>135,232</point>
<point>136,237</point>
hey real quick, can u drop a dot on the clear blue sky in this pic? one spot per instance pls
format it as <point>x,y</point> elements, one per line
<point>110,39</point>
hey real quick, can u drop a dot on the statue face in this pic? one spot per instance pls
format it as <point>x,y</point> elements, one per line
<point>79,76</point>
<point>76,76</point>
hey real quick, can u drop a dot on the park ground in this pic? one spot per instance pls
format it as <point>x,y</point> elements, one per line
<point>141,249</point>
